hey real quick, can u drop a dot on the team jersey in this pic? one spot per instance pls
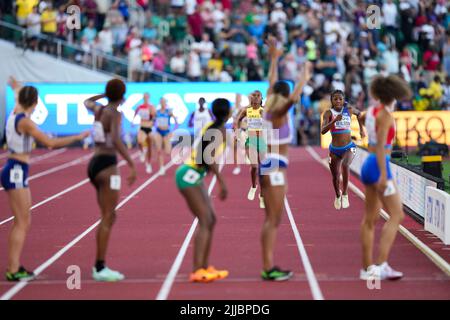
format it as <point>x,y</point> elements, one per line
<point>201,118</point>
<point>17,142</point>
<point>343,125</point>
<point>163,118</point>
<point>254,118</point>
<point>371,126</point>
<point>144,111</point>
<point>194,161</point>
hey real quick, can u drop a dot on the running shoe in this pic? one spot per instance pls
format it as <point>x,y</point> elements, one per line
<point>142,156</point>
<point>387,273</point>
<point>220,274</point>
<point>368,273</point>
<point>276,274</point>
<point>107,275</point>
<point>338,202</point>
<point>21,275</point>
<point>261,202</point>
<point>148,168</point>
<point>162,171</point>
<point>236,171</point>
<point>202,275</point>
<point>251,194</point>
<point>345,203</point>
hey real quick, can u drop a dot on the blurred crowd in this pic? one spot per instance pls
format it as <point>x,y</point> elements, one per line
<point>223,40</point>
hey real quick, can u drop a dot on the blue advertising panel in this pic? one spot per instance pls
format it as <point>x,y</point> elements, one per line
<point>60,110</point>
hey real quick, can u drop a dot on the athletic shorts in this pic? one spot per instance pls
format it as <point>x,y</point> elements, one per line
<point>257,143</point>
<point>15,175</point>
<point>272,163</point>
<point>340,151</point>
<point>163,133</point>
<point>99,163</point>
<point>187,176</point>
<point>370,172</point>
<point>146,130</point>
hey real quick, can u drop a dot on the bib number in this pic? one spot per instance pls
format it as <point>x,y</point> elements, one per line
<point>276,178</point>
<point>16,175</point>
<point>115,182</point>
<point>98,134</point>
<point>254,123</point>
<point>191,176</point>
<point>390,188</point>
<point>163,122</point>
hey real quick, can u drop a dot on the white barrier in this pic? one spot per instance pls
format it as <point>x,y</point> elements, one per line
<point>437,213</point>
<point>412,186</point>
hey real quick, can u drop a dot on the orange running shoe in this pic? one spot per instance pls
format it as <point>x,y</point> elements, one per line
<point>202,275</point>
<point>220,274</point>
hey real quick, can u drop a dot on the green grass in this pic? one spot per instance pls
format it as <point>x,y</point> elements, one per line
<point>416,160</point>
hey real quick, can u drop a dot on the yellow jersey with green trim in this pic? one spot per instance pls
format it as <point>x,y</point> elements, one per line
<point>192,161</point>
<point>254,119</point>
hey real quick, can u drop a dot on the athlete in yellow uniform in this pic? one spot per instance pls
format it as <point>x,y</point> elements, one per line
<point>189,180</point>
<point>254,144</point>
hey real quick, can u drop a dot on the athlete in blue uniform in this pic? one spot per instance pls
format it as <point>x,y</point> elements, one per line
<point>21,131</point>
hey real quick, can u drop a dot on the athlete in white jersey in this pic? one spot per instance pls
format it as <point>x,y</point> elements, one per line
<point>20,134</point>
<point>200,117</point>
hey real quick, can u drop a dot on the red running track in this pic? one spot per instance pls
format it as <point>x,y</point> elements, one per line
<point>152,226</point>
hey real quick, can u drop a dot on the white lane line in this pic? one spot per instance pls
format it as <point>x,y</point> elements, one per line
<point>18,287</point>
<point>48,155</point>
<point>312,280</point>
<point>58,168</point>
<point>73,187</point>
<point>427,251</point>
<point>168,282</point>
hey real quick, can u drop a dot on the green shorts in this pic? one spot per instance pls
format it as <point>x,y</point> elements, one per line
<point>257,143</point>
<point>186,176</point>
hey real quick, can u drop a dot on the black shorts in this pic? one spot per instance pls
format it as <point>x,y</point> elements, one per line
<point>146,130</point>
<point>99,163</point>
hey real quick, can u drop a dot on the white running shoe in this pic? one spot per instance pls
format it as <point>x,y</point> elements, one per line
<point>366,274</point>
<point>148,168</point>
<point>261,202</point>
<point>345,203</point>
<point>338,202</point>
<point>251,193</point>
<point>107,274</point>
<point>387,273</point>
<point>142,156</point>
<point>162,171</point>
<point>236,171</point>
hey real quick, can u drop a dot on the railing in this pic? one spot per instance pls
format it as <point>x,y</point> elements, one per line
<point>94,59</point>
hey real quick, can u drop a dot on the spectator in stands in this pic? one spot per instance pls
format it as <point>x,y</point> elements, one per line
<point>33,23</point>
<point>89,32</point>
<point>49,27</point>
<point>178,64</point>
<point>24,9</point>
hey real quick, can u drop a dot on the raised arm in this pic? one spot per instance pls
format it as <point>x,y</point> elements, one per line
<point>91,102</point>
<point>241,115</point>
<point>304,76</point>
<point>274,55</point>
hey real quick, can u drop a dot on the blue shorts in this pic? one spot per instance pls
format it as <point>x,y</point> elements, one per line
<point>370,172</point>
<point>271,163</point>
<point>163,133</point>
<point>15,175</point>
<point>340,151</point>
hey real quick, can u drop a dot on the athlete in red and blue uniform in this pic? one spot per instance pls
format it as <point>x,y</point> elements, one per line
<point>338,121</point>
<point>380,188</point>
